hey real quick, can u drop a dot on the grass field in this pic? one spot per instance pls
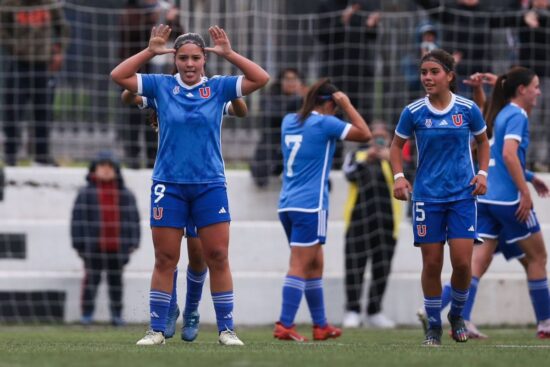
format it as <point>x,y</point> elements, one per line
<point>104,346</point>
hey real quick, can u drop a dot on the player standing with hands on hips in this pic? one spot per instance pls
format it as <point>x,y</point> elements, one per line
<point>189,179</point>
<point>446,185</point>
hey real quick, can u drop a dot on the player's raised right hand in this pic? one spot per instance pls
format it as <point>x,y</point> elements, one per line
<point>159,38</point>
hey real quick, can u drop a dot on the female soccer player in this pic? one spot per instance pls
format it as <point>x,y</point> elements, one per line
<point>188,178</point>
<point>308,143</point>
<point>197,268</point>
<point>507,208</point>
<point>482,256</point>
<point>444,202</point>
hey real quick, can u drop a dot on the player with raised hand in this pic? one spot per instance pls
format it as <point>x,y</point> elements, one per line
<point>308,144</point>
<point>446,185</point>
<point>506,211</point>
<point>188,178</point>
<point>196,268</point>
<point>483,255</point>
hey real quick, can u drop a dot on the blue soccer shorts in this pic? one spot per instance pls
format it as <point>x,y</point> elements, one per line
<point>510,251</point>
<point>439,222</point>
<point>304,229</point>
<point>190,230</point>
<point>197,205</point>
<point>500,221</point>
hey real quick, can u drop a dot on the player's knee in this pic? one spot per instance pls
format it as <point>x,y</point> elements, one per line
<point>216,256</point>
<point>432,265</point>
<point>165,260</point>
<point>462,267</point>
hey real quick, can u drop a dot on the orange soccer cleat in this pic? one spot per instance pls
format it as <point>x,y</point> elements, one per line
<point>283,333</point>
<point>324,333</point>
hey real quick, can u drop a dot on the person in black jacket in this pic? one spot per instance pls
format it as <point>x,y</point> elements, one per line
<point>347,30</point>
<point>372,216</point>
<point>105,231</point>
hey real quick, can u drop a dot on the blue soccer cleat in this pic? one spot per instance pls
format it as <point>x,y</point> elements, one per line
<point>171,322</point>
<point>190,328</point>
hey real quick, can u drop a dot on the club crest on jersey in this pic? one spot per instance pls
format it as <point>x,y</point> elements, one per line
<point>204,92</point>
<point>428,123</point>
<point>176,90</point>
<point>421,230</point>
<point>457,119</point>
<point>157,212</point>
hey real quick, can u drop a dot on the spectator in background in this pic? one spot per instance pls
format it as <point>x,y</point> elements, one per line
<point>534,53</point>
<point>372,216</point>
<point>465,33</point>
<point>105,231</point>
<point>34,34</point>
<point>284,96</point>
<point>135,24</point>
<point>426,39</point>
<point>348,31</point>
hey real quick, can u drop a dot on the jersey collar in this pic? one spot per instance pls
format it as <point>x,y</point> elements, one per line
<point>440,112</point>
<point>520,108</point>
<point>182,84</point>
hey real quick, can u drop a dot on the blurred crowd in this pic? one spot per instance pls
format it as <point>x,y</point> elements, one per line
<point>56,56</point>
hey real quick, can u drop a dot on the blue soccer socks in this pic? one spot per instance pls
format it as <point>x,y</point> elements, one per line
<point>293,289</point>
<point>469,306</point>
<point>433,311</point>
<point>458,300</point>
<point>223,305</point>
<point>446,295</point>
<point>315,301</point>
<point>159,303</point>
<point>174,299</point>
<point>195,282</point>
<point>538,289</point>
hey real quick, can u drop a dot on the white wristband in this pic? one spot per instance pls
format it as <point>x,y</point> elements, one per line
<point>398,175</point>
<point>482,172</point>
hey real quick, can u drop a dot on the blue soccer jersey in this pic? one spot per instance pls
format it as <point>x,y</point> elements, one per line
<point>510,123</point>
<point>190,119</point>
<point>445,165</point>
<point>308,149</point>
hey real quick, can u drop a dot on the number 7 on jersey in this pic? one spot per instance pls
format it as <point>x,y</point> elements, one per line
<point>296,140</point>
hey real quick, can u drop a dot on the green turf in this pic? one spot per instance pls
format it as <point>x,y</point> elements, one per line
<point>104,346</point>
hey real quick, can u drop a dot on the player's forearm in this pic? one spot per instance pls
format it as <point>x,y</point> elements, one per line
<point>254,74</point>
<point>396,157</point>
<point>479,97</point>
<point>358,121</point>
<point>129,67</point>
<point>513,166</point>
<point>239,107</point>
<point>483,154</point>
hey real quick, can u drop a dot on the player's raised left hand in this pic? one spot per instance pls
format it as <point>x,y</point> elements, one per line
<point>222,46</point>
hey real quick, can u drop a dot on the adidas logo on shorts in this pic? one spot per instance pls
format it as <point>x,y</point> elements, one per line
<point>222,211</point>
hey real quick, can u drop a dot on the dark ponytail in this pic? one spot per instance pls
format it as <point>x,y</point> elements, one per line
<point>505,89</point>
<point>318,94</point>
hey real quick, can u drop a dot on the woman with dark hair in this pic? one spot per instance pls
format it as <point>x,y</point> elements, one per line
<point>196,268</point>
<point>188,179</point>
<point>308,143</point>
<point>446,185</point>
<point>506,211</point>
